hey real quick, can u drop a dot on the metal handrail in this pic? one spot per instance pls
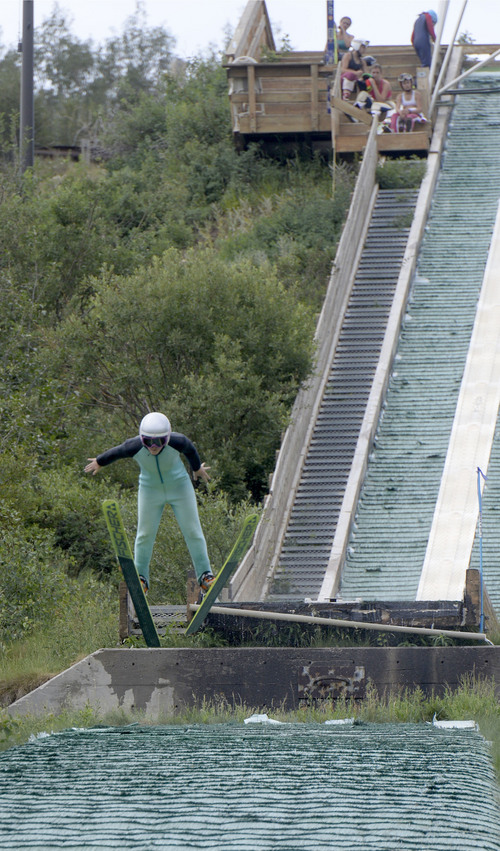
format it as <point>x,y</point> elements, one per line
<point>469,71</point>
<point>446,60</point>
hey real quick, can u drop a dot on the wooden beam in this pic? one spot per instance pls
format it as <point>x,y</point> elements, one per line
<point>347,108</point>
<point>192,592</point>
<point>123,627</point>
<point>314,98</point>
<point>265,124</point>
<point>472,601</point>
<point>284,99</point>
<point>417,141</point>
<point>251,97</point>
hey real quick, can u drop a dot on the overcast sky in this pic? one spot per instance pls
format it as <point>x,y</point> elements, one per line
<point>196,24</point>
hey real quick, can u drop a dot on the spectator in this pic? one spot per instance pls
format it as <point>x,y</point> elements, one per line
<point>408,111</point>
<point>377,94</point>
<point>378,88</point>
<point>423,32</point>
<point>352,67</point>
<point>344,39</point>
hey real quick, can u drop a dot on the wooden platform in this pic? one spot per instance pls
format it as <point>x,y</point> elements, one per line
<point>290,95</point>
<point>440,615</point>
<point>294,97</point>
<point>274,94</point>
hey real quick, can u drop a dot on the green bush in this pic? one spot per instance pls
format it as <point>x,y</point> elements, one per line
<point>32,581</point>
<point>401,173</point>
<point>221,347</point>
<point>70,505</point>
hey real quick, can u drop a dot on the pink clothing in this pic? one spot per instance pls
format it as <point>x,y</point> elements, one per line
<point>349,80</point>
<point>398,123</point>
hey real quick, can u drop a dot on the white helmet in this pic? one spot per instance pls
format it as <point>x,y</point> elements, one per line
<point>155,425</point>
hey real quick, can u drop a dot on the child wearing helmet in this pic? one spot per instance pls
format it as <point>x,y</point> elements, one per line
<point>163,479</point>
<point>423,32</point>
<point>408,110</point>
<point>353,67</point>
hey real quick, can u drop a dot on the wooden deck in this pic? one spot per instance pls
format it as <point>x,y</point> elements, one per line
<point>293,95</point>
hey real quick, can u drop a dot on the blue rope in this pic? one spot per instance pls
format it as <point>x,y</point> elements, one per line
<point>479,474</point>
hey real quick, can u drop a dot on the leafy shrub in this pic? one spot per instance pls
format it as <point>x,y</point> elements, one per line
<point>32,581</point>
<point>70,505</point>
<point>221,347</point>
<point>401,173</point>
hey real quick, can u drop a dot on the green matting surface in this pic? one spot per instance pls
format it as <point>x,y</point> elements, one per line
<point>251,786</point>
<point>400,490</point>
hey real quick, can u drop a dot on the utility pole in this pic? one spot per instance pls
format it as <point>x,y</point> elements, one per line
<point>27,125</point>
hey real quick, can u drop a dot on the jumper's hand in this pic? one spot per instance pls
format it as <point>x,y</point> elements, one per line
<point>93,467</point>
<point>202,473</point>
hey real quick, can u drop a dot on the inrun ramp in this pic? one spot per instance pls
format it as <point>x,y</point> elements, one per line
<point>311,528</point>
<point>400,491</point>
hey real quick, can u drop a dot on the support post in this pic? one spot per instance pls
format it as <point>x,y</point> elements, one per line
<point>314,98</point>
<point>252,104</point>
<point>124,630</point>
<point>27,111</point>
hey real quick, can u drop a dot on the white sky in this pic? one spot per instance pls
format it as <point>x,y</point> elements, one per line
<point>196,24</point>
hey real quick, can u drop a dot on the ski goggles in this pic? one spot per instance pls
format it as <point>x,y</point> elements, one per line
<point>148,442</point>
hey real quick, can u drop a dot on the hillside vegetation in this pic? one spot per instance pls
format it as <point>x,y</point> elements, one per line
<point>168,273</point>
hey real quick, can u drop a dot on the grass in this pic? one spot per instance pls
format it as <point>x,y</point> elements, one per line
<point>88,622</point>
<point>474,699</point>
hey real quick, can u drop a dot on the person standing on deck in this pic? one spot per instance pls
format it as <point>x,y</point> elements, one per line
<point>423,32</point>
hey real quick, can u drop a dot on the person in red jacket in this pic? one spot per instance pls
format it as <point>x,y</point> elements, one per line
<point>423,32</point>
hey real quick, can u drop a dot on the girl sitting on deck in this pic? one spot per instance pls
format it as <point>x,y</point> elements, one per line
<point>409,107</point>
<point>352,67</point>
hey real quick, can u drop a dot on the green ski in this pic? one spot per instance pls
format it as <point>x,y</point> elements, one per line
<point>241,546</point>
<point>125,558</point>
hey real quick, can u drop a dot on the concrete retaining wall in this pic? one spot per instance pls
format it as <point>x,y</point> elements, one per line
<point>161,682</point>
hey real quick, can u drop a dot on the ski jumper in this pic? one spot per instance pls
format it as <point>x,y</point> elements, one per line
<point>163,480</point>
<point>421,36</point>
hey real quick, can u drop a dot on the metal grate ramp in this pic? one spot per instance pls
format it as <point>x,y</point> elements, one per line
<point>311,528</point>
<point>399,494</point>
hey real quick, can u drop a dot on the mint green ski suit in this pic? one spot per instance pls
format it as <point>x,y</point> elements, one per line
<point>164,480</point>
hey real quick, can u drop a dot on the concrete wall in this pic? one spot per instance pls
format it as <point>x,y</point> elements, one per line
<point>161,682</point>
